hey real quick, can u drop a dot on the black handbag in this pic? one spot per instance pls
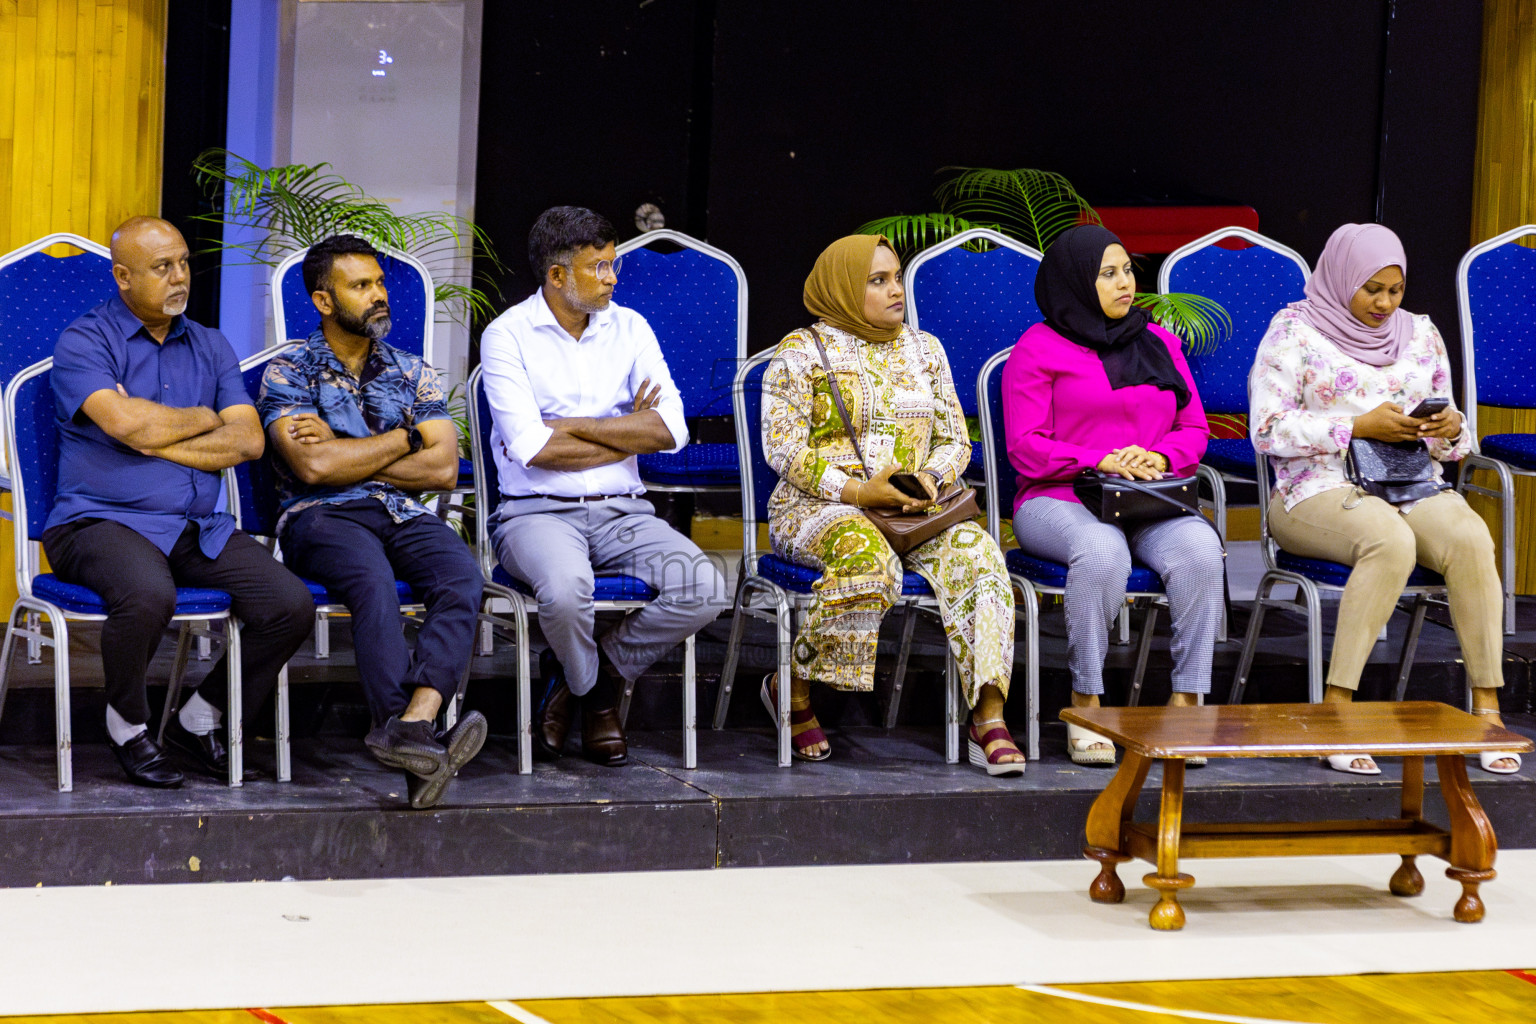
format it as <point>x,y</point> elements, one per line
<point>1394,471</point>
<point>1125,503</point>
<point>903,531</point>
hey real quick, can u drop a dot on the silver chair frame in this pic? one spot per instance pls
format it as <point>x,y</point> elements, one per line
<point>1308,593</point>
<point>689,242</point>
<point>784,606</point>
<point>486,499</point>
<point>1031,590</point>
<point>57,636</point>
<point>1504,492</point>
<point>1217,481</point>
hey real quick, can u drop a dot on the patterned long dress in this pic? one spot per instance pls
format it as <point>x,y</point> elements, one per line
<point>903,403</point>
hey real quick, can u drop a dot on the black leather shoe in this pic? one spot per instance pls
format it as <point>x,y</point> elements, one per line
<point>145,763</point>
<point>462,742</point>
<point>410,746</point>
<point>602,735</point>
<point>552,722</point>
<point>206,754</point>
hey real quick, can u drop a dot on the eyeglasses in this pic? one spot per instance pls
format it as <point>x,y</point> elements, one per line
<point>602,268</point>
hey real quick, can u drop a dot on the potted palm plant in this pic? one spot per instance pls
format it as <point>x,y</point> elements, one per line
<point>1034,207</point>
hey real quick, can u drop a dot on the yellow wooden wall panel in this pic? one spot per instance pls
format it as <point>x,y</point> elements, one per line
<point>1504,197</point>
<point>82,86</point>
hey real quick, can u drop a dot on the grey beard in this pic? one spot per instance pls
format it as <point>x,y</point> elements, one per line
<point>374,330</point>
<point>175,307</point>
<point>377,329</point>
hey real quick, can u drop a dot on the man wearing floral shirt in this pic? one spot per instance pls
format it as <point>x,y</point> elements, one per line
<point>359,429</point>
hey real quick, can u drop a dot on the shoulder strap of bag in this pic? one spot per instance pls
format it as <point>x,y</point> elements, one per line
<point>837,396</point>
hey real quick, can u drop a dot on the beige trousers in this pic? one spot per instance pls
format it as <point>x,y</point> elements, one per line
<point>1441,533</point>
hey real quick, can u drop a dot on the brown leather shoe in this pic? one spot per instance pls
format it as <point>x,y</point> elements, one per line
<point>552,723</point>
<point>602,735</point>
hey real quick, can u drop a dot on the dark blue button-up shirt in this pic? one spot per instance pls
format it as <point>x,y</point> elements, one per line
<point>100,477</point>
<point>395,389</point>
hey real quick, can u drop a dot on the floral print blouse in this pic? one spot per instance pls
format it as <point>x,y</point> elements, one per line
<point>900,397</point>
<point>1304,394</point>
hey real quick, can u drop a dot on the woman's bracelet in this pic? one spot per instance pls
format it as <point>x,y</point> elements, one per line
<point>858,486</point>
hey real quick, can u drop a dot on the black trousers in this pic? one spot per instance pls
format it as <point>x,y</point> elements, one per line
<point>358,551</point>
<point>138,584</point>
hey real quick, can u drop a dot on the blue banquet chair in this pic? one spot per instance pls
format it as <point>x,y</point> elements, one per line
<point>695,299</point>
<point>1311,576</point>
<point>1252,284</point>
<point>786,588</point>
<point>974,302</point>
<point>1033,576</point>
<point>612,591</point>
<point>1496,294</point>
<point>32,451</point>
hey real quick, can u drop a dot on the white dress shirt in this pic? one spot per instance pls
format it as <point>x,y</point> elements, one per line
<point>533,371</point>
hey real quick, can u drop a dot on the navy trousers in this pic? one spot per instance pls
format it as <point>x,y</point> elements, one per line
<point>358,551</point>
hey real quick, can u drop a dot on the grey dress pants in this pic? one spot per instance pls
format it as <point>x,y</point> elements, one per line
<point>558,548</point>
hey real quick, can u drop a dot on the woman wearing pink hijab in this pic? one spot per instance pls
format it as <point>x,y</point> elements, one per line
<point>1343,363</point>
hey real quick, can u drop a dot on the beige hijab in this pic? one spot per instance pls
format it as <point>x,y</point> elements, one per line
<point>835,290</point>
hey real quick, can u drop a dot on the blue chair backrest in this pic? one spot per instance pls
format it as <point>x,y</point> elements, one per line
<point>1501,296</point>
<point>1002,470</point>
<point>36,472</point>
<point>1252,284</point>
<point>749,434</point>
<point>408,307</point>
<point>257,480</point>
<point>40,295</point>
<point>690,299</point>
<point>975,303</point>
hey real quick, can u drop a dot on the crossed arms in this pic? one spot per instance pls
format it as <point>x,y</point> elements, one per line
<point>585,442</point>
<point>196,437</point>
<point>319,458</point>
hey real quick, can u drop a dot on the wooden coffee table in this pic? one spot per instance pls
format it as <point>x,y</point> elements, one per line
<point>1411,730</point>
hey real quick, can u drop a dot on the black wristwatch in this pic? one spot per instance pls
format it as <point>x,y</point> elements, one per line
<point>413,437</point>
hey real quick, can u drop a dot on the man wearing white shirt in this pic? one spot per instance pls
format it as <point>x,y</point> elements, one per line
<point>577,387</point>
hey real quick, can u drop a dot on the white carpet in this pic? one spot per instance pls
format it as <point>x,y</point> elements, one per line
<point>743,930</point>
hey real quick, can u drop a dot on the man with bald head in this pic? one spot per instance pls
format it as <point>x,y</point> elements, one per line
<point>150,407</point>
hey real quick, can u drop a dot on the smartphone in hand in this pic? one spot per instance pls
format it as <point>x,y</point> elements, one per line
<point>1429,407</point>
<point>909,484</point>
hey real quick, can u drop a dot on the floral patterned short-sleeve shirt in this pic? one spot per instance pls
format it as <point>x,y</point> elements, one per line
<point>1304,394</point>
<point>395,389</point>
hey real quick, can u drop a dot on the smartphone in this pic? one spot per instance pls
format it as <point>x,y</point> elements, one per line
<point>908,484</point>
<point>1429,407</point>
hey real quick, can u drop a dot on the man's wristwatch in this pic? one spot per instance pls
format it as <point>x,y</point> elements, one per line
<point>413,437</point>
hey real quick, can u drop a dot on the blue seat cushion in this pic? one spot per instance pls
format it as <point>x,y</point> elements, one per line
<point>323,596</point>
<point>605,588</point>
<point>1337,574</point>
<point>466,475</point>
<point>1233,456</point>
<point>84,601</point>
<point>1515,449</point>
<point>697,465</point>
<point>798,579</point>
<point>1054,574</point>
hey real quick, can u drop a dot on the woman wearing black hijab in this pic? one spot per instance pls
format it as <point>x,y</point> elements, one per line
<point>1099,386</point>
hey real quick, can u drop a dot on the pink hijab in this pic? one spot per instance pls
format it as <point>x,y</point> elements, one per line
<point>1353,255</point>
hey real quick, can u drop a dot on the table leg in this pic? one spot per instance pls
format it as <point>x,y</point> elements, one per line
<point>1106,820</point>
<point>1473,845</point>
<point>1406,880</point>
<point>1167,915</point>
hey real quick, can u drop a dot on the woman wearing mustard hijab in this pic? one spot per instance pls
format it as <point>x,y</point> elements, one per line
<point>896,386</point>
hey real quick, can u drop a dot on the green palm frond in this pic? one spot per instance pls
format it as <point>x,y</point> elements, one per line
<point>912,233</point>
<point>1203,323</point>
<point>296,205</point>
<point>1031,205</point>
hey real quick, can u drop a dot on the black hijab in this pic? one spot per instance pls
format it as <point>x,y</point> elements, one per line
<point>1066,293</point>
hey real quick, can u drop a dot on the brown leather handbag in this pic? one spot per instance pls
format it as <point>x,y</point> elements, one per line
<point>903,531</point>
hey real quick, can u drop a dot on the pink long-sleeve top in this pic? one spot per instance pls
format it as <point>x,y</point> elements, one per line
<point>1062,417</point>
